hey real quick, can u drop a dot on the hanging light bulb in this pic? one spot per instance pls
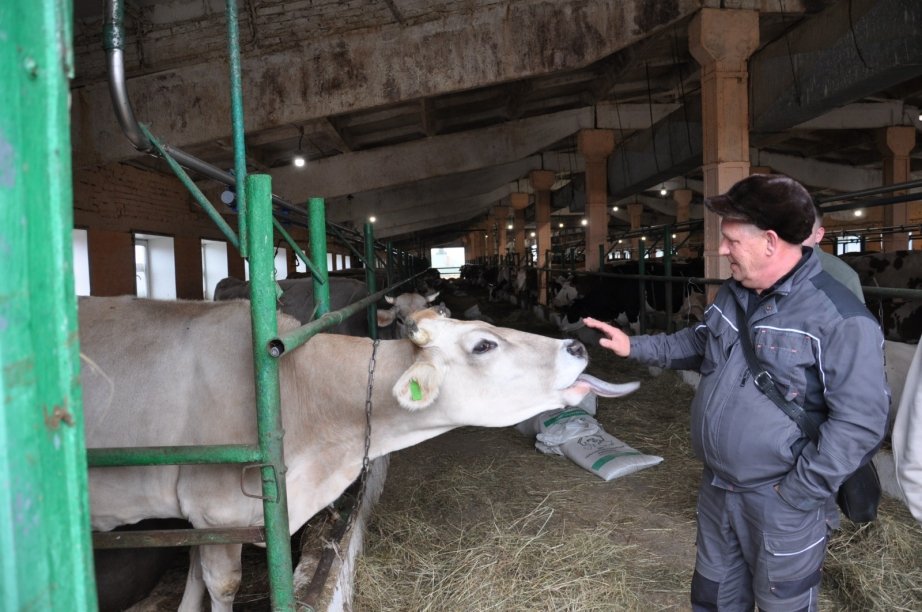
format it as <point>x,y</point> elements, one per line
<point>614,209</point>
<point>299,160</point>
<point>663,191</point>
<point>584,222</point>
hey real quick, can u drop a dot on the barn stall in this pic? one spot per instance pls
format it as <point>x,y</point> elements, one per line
<point>93,212</point>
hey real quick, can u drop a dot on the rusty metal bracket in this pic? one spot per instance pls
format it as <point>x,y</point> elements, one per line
<point>274,481</point>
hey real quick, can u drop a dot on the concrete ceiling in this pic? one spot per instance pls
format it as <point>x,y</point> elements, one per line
<point>427,113</point>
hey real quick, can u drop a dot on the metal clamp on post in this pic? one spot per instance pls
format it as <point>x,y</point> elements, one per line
<point>275,481</point>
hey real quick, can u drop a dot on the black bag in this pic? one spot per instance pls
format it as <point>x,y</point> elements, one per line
<point>859,495</point>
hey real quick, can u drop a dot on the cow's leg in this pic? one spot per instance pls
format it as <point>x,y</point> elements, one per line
<point>195,584</point>
<point>221,571</point>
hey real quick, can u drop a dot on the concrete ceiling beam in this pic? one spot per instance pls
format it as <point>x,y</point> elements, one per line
<point>346,73</point>
<point>851,50</point>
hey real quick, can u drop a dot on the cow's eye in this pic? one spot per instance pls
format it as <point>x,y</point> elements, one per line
<point>484,346</point>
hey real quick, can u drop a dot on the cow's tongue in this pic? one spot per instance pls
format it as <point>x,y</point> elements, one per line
<point>607,389</point>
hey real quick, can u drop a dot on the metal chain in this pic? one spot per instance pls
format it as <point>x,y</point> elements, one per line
<point>363,476</point>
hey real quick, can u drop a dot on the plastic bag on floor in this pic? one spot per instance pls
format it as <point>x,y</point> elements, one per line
<point>575,434</point>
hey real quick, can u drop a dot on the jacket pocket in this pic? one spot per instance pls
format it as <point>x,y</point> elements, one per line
<point>794,561</point>
<point>787,355</point>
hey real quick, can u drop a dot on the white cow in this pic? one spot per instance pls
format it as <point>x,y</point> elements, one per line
<point>181,373</point>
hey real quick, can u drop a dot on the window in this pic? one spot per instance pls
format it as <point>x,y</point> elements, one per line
<point>141,268</point>
<point>848,244</point>
<point>155,267</point>
<point>81,263</point>
<point>214,265</point>
<point>447,261</point>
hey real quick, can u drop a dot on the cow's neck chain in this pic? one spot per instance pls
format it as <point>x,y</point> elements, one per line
<point>363,476</point>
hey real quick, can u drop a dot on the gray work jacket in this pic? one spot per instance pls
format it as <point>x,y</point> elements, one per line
<point>825,351</point>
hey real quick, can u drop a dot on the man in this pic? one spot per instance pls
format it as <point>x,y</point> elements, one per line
<point>907,438</point>
<point>766,498</point>
<point>834,266</point>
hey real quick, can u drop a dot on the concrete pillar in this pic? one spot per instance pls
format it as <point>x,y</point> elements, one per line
<point>187,253</point>
<point>501,213</point>
<point>596,146</point>
<point>541,182</point>
<point>683,198</point>
<point>896,143</point>
<point>112,267</point>
<point>519,202</point>
<point>722,41</point>
<point>635,211</point>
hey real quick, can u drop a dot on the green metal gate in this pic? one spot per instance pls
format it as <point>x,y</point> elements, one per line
<point>44,509</point>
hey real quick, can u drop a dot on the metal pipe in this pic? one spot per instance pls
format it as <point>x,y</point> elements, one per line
<point>297,250</point>
<point>318,238</point>
<point>370,281</point>
<point>173,455</point>
<point>113,41</point>
<point>236,95</point>
<point>871,191</point>
<point>268,396</point>
<point>195,191</point>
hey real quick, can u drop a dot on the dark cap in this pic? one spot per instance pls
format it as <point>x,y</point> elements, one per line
<point>770,202</point>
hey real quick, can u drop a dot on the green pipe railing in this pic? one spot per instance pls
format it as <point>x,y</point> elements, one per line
<point>318,238</point>
<point>45,547</point>
<point>174,455</point>
<point>268,400</point>
<point>370,280</point>
<point>315,272</point>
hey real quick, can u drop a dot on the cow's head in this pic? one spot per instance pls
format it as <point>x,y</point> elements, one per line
<point>493,376</point>
<point>402,307</point>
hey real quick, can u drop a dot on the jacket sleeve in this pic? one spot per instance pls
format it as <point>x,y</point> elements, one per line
<point>851,366</point>
<point>682,350</point>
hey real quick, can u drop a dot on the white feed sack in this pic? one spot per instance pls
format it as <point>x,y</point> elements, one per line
<point>575,434</point>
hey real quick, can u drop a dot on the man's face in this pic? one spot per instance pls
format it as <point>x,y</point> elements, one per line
<point>744,246</point>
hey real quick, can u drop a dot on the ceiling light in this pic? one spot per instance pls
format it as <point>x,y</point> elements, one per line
<point>859,212</point>
<point>673,236</point>
<point>532,234</point>
<point>372,219</point>
<point>643,237</point>
<point>299,161</point>
<point>583,222</point>
<point>663,191</point>
<point>509,226</point>
<point>614,209</point>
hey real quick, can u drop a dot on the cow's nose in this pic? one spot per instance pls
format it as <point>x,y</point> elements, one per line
<point>576,349</point>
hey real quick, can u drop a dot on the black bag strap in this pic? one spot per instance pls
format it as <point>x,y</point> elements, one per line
<point>766,384</point>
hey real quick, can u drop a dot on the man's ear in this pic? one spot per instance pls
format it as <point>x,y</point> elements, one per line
<point>419,386</point>
<point>819,233</point>
<point>771,241</point>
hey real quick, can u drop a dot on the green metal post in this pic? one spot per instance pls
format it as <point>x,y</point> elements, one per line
<point>642,286</point>
<point>389,262</point>
<point>45,545</point>
<point>236,94</point>
<point>265,328</point>
<point>316,219</point>
<point>667,271</point>
<point>370,279</point>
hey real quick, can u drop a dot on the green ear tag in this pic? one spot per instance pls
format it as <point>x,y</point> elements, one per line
<point>415,392</point>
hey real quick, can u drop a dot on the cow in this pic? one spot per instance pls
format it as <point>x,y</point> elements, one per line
<point>176,373</point>
<point>402,306</point>
<point>297,300</point>
<point>900,319</point>
<point>610,298</point>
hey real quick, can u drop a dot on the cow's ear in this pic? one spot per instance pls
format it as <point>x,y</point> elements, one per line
<point>419,386</point>
<point>386,317</point>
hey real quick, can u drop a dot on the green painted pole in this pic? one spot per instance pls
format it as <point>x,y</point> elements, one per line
<point>45,545</point>
<point>236,96</point>
<point>173,455</point>
<point>370,279</point>
<point>268,402</point>
<point>294,247</point>
<point>667,271</point>
<point>317,231</point>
